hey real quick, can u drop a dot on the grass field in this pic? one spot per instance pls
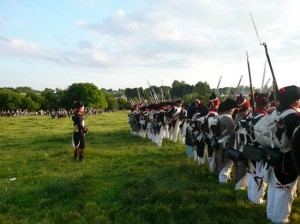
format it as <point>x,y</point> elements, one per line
<point>125,179</point>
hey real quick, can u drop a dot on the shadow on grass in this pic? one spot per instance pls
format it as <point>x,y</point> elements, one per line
<point>180,194</point>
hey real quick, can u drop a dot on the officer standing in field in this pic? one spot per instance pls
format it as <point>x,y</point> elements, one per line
<point>79,131</point>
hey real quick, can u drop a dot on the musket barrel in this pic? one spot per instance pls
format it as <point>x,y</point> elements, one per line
<point>250,80</point>
<point>275,87</point>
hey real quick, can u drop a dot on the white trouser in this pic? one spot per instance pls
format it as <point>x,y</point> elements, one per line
<point>256,183</point>
<point>176,131</point>
<point>280,199</point>
<point>212,163</point>
<point>224,174</point>
<point>242,183</point>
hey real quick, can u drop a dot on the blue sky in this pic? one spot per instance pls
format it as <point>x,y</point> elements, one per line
<point>118,44</point>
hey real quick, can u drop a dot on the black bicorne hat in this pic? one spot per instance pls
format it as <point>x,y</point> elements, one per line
<point>227,105</point>
<point>78,104</point>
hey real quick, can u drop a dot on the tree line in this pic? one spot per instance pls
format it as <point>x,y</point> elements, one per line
<point>93,97</point>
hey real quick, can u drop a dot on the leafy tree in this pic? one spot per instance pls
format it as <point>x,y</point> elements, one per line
<point>25,89</point>
<point>112,103</point>
<point>202,88</point>
<point>111,100</point>
<point>51,99</point>
<point>116,93</point>
<point>130,93</point>
<point>123,104</point>
<point>166,91</point>
<point>179,89</point>
<point>29,104</point>
<point>88,93</point>
<point>9,99</point>
<point>37,98</point>
<point>192,96</point>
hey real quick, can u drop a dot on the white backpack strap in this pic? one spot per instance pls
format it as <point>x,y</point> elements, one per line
<point>287,112</point>
<point>258,116</point>
<point>224,115</point>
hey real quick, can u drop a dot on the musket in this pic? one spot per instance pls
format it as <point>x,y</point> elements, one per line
<point>169,96</point>
<point>226,95</point>
<point>219,82</point>
<point>266,88</point>
<point>263,79</point>
<point>143,100</point>
<point>275,87</point>
<point>139,98</point>
<point>151,95</point>
<point>162,95</point>
<point>238,86</point>
<point>217,90</point>
<point>144,97</point>
<point>154,94</point>
<point>131,102</point>
<point>250,80</point>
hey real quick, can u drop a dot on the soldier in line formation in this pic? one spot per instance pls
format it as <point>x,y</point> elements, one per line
<point>256,145</point>
<point>159,121</point>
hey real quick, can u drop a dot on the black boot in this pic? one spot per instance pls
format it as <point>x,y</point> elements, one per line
<point>76,153</point>
<point>81,155</point>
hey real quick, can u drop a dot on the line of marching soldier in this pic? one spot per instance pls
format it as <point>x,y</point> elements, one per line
<point>259,147</point>
<point>159,121</point>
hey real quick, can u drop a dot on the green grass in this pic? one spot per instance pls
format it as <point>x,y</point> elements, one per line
<point>125,179</point>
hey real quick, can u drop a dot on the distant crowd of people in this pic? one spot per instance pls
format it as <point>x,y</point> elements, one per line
<point>54,113</point>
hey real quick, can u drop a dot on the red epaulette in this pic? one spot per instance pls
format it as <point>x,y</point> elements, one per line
<point>261,111</point>
<point>213,109</point>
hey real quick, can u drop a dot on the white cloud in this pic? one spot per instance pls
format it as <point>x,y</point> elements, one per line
<point>185,40</point>
<point>17,47</point>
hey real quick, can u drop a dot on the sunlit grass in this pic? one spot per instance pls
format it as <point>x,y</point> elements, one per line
<point>125,179</point>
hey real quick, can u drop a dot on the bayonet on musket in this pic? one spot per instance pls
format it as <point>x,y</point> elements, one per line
<point>151,94</point>
<point>227,93</point>
<point>154,94</point>
<point>217,90</point>
<point>255,30</point>
<point>263,79</point>
<point>162,93</point>
<point>238,86</point>
<point>266,88</point>
<point>219,83</point>
<point>139,98</point>
<point>275,86</point>
<point>250,80</point>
